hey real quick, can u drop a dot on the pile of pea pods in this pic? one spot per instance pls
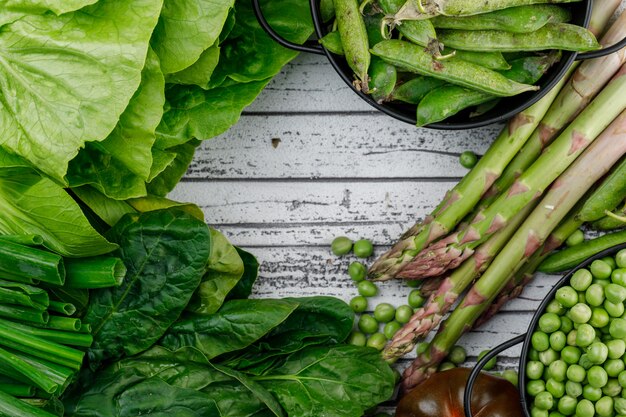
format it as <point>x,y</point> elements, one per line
<point>446,64</point>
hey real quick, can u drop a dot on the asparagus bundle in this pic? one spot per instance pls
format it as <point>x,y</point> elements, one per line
<point>524,131</point>
<point>562,196</point>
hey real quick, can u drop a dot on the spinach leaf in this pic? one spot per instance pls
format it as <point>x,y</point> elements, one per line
<point>107,209</point>
<point>165,253</point>
<point>225,269</point>
<point>152,202</point>
<point>35,205</point>
<point>65,80</point>
<point>186,28</point>
<point>339,380</point>
<point>243,289</point>
<point>235,326</point>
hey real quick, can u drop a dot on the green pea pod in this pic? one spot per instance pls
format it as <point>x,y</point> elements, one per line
<point>609,222</point>
<point>327,10</point>
<point>572,256</point>
<point>491,60</point>
<point>420,32</point>
<point>522,19</point>
<point>372,26</point>
<point>448,100</point>
<point>414,90</point>
<point>562,36</point>
<point>410,57</point>
<point>383,78</point>
<point>607,196</point>
<point>485,107</point>
<point>332,42</point>
<point>353,39</point>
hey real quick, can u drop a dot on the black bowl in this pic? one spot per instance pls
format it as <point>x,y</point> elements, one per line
<point>506,108</point>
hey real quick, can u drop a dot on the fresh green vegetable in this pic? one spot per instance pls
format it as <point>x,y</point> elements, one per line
<point>358,304</point>
<point>357,271</point>
<point>367,289</point>
<point>354,40</point>
<point>468,159</point>
<point>363,248</point>
<point>341,245</point>
<point>412,91</point>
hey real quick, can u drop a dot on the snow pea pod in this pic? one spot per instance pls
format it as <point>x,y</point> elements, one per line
<point>414,90</point>
<point>353,39</point>
<point>332,42</point>
<point>420,32</point>
<point>413,58</point>
<point>491,60</point>
<point>562,36</point>
<point>383,78</point>
<point>520,19</point>
<point>448,100</point>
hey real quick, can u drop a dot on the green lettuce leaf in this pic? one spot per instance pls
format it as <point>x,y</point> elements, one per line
<point>165,181</point>
<point>41,6</point>
<point>65,80</point>
<point>199,73</point>
<point>165,253</point>
<point>187,28</point>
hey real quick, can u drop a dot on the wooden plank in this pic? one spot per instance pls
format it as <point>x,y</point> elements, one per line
<point>350,146</point>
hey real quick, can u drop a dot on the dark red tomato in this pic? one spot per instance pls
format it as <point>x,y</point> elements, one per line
<point>442,395</point>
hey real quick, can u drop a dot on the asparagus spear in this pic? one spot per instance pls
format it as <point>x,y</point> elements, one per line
<point>463,197</point>
<point>563,195</point>
<point>449,252</point>
<point>438,305</point>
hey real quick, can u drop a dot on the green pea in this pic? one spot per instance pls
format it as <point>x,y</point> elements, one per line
<point>610,261</point>
<point>357,339</point>
<point>597,352</point>
<point>534,369</point>
<point>445,366</point>
<point>567,296</point>
<point>580,313</point>
<point>594,295</point>
<point>604,407</point>
<point>457,355</point>
<point>620,258</point>
<point>357,271</point>
<point>558,340</point>
<point>512,376</point>
<point>414,283</point>
<point>533,355</point>
<point>540,341</point>
<point>358,304</point>
<point>571,337</point>
<point>570,354</point>
<point>391,329</point>
<point>555,414</point>
<point>535,387</point>
<point>585,335</point>
<point>592,393</point>
<point>557,370</point>
<point>403,314</point>
<point>620,405</point>
<point>618,276</point>
<point>599,317</point>
<point>567,405</point>
<point>538,412</point>
<point>367,289</point>
<point>601,282</point>
<point>612,388</point>
<point>384,312</point>
<point>368,324</point>
<point>544,400</point>
<point>377,341</point>
<point>615,293</point>
<point>617,348</point>
<point>575,238</point>
<point>617,328</point>
<point>491,363</point>
<point>341,245</point>
<point>581,280</point>
<point>566,324</point>
<point>597,376</point>
<point>614,310</point>
<point>363,248</point>
<point>548,356</point>
<point>549,322</point>
<point>468,159</point>
<point>573,389</point>
<point>585,408</point>
<point>600,269</point>
<point>555,307</point>
<point>415,299</point>
<point>581,298</point>
<point>576,373</point>
<point>613,367</point>
<point>584,361</point>
<point>621,378</point>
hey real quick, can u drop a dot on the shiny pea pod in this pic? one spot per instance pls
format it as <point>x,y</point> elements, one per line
<point>448,100</point>
<point>414,90</point>
<point>562,36</point>
<point>354,39</point>
<point>520,19</point>
<point>332,42</point>
<point>490,60</point>
<point>383,77</point>
<point>607,195</point>
<point>420,32</point>
<point>372,26</point>
<point>327,10</point>
<point>410,57</point>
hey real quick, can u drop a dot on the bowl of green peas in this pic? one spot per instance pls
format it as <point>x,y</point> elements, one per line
<point>573,359</point>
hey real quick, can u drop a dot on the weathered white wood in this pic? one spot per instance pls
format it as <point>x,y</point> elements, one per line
<point>350,146</point>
